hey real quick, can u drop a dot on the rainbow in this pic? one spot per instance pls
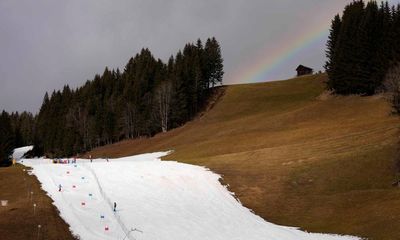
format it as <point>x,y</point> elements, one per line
<point>267,61</point>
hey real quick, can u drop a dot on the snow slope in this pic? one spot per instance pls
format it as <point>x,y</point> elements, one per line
<point>159,199</point>
<point>19,152</point>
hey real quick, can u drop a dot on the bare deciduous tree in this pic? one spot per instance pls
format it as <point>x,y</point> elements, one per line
<point>130,115</point>
<point>392,85</point>
<point>77,118</point>
<point>163,100</point>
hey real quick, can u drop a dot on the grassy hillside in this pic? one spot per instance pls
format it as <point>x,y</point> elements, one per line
<point>295,156</point>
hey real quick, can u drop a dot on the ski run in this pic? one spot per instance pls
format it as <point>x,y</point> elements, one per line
<point>155,200</point>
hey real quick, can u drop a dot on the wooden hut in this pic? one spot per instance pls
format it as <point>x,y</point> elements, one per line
<point>303,70</point>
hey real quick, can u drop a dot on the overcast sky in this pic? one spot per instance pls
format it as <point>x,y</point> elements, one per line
<point>45,44</point>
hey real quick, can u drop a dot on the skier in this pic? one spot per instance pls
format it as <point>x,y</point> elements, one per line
<point>59,187</point>
<point>90,156</point>
<point>115,206</point>
<point>107,159</point>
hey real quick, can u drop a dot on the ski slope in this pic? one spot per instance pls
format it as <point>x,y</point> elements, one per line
<point>18,153</point>
<point>158,200</point>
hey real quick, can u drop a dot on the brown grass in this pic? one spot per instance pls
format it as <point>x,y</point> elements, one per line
<point>294,156</point>
<point>17,220</point>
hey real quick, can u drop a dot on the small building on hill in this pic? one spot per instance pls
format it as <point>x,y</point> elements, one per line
<point>303,70</point>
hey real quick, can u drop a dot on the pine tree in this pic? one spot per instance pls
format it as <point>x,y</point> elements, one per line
<point>394,37</point>
<point>331,45</point>
<point>370,37</point>
<point>6,139</point>
<point>346,74</point>
<point>215,62</point>
<point>179,103</point>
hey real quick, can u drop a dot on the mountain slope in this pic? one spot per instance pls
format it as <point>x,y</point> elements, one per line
<point>295,155</point>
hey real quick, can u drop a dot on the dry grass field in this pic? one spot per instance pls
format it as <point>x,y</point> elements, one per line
<point>295,155</point>
<point>17,220</point>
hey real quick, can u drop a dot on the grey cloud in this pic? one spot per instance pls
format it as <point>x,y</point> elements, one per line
<point>45,44</point>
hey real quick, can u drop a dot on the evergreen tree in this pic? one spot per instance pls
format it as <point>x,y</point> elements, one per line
<point>370,37</point>
<point>215,62</point>
<point>6,139</point>
<point>361,47</point>
<point>147,97</point>
<point>347,71</point>
<point>331,44</point>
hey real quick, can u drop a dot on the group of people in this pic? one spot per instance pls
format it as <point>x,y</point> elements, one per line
<point>74,161</point>
<point>64,161</point>
<point>114,206</point>
<point>91,159</point>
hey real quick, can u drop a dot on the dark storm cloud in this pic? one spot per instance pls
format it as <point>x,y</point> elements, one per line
<point>45,44</point>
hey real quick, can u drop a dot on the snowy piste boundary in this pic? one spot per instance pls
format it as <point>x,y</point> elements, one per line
<point>18,153</point>
<point>156,200</point>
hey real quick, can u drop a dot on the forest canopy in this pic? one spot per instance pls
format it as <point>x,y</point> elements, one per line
<point>363,45</point>
<point>147,97</point>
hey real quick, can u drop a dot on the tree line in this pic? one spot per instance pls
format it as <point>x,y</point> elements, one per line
<point>362,47</point>
<point>147,97</point>
<point>16,130</point>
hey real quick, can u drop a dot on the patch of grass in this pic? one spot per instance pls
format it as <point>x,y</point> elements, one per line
<point>325,164</point>
<point>17,220</point>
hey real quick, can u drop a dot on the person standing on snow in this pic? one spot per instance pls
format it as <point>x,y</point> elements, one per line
<point>59,187</point>
<point>115,206</point>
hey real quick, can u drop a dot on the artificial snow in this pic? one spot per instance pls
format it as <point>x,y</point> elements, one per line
<point>20,152</point>
<point>156,200</point>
